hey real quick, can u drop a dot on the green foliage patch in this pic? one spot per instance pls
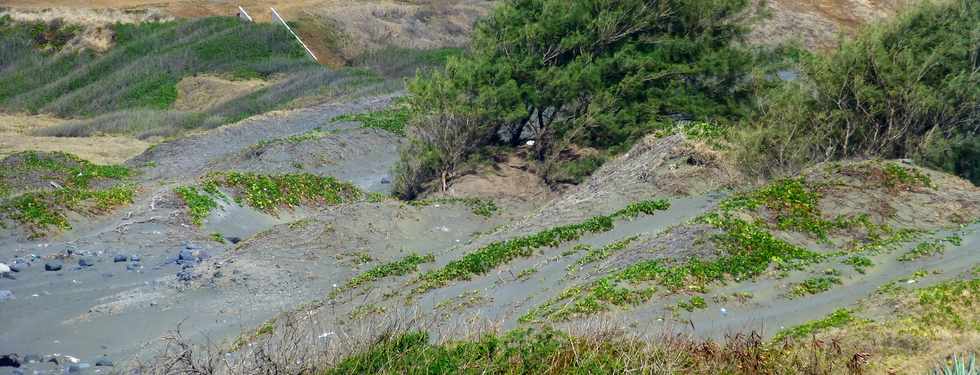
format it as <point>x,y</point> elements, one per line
<point>694,303</point>
<point>814,286</point>
<point>525,351</point>
<point>200,203</point>
<point>838,318</point>
<point>76,185</point>
<point>270,192</point>
<point>917,69</point>
<point>67,169</point>
<point>41,210</point>
<point>400,267</point>
<point>392,120</point>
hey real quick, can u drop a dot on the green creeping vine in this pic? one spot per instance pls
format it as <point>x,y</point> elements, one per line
<point>199,203</point>
<point>392,120</point>
<point>43,209</point>
<point>266,192</point>
<point>486,258</point>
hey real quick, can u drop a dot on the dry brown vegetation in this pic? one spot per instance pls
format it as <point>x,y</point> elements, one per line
<point>17,134</point>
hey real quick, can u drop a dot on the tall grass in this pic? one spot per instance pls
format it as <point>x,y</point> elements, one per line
<point>129,89</point>
<point>142,70</point>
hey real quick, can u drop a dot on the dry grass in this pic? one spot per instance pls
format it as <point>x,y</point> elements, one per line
<point>16,134</point>
<point>203,92</point>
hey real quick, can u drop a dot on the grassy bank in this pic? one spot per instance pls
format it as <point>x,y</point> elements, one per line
<point>131,88</point>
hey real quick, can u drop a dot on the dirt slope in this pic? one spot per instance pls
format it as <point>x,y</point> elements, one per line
<point>817,24</point>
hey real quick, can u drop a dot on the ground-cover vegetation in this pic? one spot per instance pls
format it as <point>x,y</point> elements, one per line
<point>400,267</point>
<point>267,193</point>
<point>40,189</point>
<point>837,343</point>
<point>199,203</point>
<point>392,120</point>
<point>486,258</point>
<point>814,285</point>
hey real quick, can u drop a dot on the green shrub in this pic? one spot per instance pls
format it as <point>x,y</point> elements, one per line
<point>897,86</point>
<point>591,72</point>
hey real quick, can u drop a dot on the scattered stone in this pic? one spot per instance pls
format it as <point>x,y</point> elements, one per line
<point>6,295</point>
<point>85,262</point>
<point>105,361</point>
<point>185,276</point>
<point>52,266</point>
<point>385,180</point>
<point>135,258</point>
<point>120,258</point>
<point>18,267</point>
<point>192,246</point>
<point>17,371</point>
<point>234,240</point>
<point>32,358</point>
<point>186,256</point>
<point>10,360</point>
<point>135,266</point>
<point>73,369</point>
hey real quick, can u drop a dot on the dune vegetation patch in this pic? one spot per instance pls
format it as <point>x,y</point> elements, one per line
<point>392,120</point>
<point>267,193</point>
<point>38,190</point>
<point>400,267</point>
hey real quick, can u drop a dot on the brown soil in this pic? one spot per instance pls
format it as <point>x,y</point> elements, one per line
<point>508,181</point>
<point>817,23</point>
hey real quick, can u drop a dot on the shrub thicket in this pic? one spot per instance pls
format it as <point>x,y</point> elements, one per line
<point>905,88</point>
<point>594,72</point>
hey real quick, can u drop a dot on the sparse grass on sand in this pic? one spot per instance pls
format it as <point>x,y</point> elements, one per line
<point>920,331</point>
